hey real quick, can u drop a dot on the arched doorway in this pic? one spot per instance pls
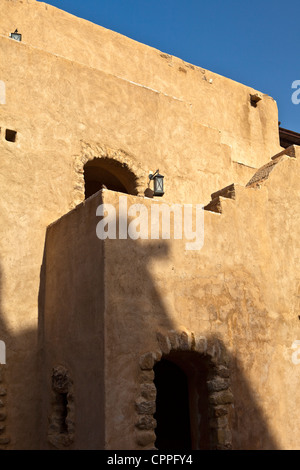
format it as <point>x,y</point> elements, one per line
<point>204,365</point>
<point>108,173</point>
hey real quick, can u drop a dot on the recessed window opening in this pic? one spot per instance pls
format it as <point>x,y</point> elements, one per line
<point>10,135</point>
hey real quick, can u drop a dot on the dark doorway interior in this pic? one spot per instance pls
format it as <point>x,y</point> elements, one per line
<point>104,178</point>
<point>106,173</point>
<point>172,407</point>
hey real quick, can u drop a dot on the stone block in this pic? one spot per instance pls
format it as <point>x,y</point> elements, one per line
<point>148,391</point>
<point>146,376</point>
<point>146,422</point>
<point>145,438</point>
<point>221,398</point>
<point>164,343</point>
<point>217,384</point>
<point>147,361</point>
<point>145,406</point>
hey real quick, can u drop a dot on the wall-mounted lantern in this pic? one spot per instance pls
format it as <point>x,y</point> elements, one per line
<point>158,183</point>
<point>16,36</point>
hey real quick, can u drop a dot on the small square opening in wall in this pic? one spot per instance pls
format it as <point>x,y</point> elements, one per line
<point>10,135</point>
<point>254,99</point>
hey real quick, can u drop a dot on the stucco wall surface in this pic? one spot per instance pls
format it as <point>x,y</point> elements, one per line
<point>74,91</point>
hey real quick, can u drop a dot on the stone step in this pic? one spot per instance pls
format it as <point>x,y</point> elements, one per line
<point>228,191</point>
<point>264,172</point>
<point>215,205</point>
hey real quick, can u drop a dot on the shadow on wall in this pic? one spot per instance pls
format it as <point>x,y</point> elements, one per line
<point>217,407</point>
<point>249,428</point>
<point>19,386</point>
<point>4,437</point>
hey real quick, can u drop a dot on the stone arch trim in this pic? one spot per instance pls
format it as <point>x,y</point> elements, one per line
<point>218,386</point>
<point>91,151</point>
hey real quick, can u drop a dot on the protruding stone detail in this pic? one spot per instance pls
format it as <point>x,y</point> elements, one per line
<point>148,391</point>
<point>221,398</point>
<point>222,438</point>
<point>217,384</point>
<point>174,339</point>
<point>145,438</point>
<point>146,376</point>
<point>201,344</point>
<point>61,381</point>
<point>147,361</point>
<point>219,411</point>
<point>164,343</point>
<point>145,406</point>
<point>220,422</point>
<point>184,341</point>
<point>157,355</point>
<point>218,355</point>
<point>146,422</point>
<point>290,151</point>
<point>262,174</point>
<point>228,192</point>
<point>4,439</point>
<point>215,205</point>
<point>222,371</point>
<point>61,427</point>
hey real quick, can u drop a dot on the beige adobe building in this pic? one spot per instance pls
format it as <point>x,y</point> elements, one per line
<point>137,344</point>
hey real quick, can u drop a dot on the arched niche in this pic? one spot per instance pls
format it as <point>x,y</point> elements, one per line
<point>107,173</point>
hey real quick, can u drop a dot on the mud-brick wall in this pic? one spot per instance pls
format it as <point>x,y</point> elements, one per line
<point>71,332</point>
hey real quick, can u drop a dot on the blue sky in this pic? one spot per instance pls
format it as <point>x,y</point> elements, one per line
<point>255,43</point>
